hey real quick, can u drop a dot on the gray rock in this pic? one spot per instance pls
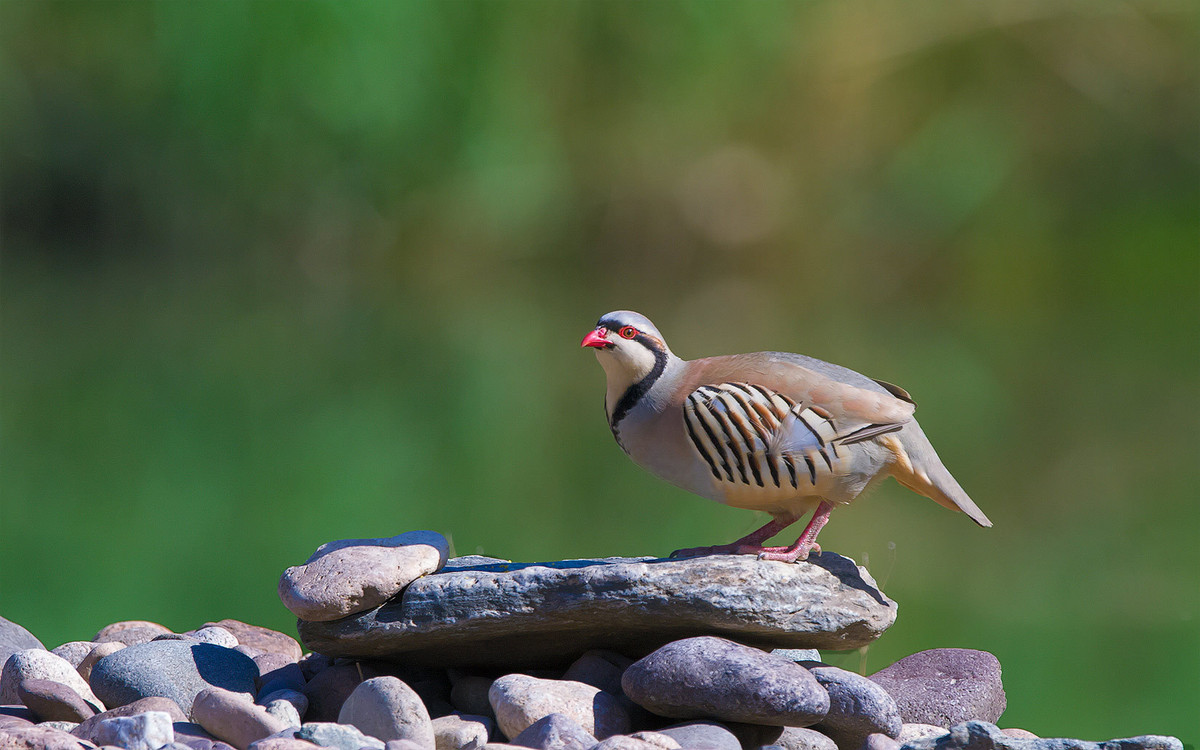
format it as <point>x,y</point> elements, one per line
<point>657,739</point>
<point>264,639</point>
<point>386,708</point>
<point>702,735</point>
<point>284,710</point>
<point>281,743</point>
<point>707,677</point>
<point>945,686</point>
<point>329,689</point>
<point>910,731</point>
<point>352,575</point>
<point>876,741</point>
<point>624,742</point>
<point>555,732</point>
<point>145,731</point>
<point>64,726</point>
<point>803,738</point>
<point>130,632</point>
<point>461,732</point>
<point>857,707</point>
<point>15,638</point>
<point>40,664</point>
<point>519,700</point>
<point>496,614</point>
<point>980,735</point>
<point>286,677</point>
<point>798,655</point>
<point>327,734</point>
<point>178,670</point>
<point>53,701</point>
<point>73,651</point>
<point>38,738</point>
<point>401,745</point>
<point>297,699</point>
<point>235,718</point>
<point>165,705</point>
<point>470,695</point>
<point>214,634</point>
<point>16,716</point>
<point>602,669</point>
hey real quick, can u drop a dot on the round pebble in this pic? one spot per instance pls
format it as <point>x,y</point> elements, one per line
<point>386,708</point>
<point>130,632</point>
<point>53,701</point>
<point>555,732</point>
<point>519,700</point>
<point>40,664</point>
<point>178,670</point>
<point>145,731</point>
<point>234,717</point>
<point>857,707</point>
<point>945,686</point>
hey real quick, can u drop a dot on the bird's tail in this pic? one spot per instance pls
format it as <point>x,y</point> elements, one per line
<point>918,468</point>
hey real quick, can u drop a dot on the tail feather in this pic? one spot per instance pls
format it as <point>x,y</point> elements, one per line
<point>920,470</point>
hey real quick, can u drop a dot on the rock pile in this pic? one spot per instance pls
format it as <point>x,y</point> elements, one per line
<point>410,651</point>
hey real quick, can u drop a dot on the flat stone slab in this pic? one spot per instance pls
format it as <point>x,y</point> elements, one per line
<point>485,612</point>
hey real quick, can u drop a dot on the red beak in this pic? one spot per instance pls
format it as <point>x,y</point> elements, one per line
<point>597,339</point>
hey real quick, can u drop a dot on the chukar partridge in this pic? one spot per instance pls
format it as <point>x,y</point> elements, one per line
<point>770,431</point>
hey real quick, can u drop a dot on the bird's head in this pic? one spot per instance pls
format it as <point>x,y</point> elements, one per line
<point>628,347</point>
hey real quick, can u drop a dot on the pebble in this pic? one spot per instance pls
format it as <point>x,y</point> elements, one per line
<point>178,670</point>
<point>328,689</point>
<point>599,668</point>
<point>285,677</point>
<point>53,701</point>
<point>234,717</point>
<point>555,732</point>
<point>264,639</point>
<point>913,731</point>
<point>214,634</point>
<point>803,738</point>
<point>15,638</point>
<point>703,735</point>
<point>945,686</point>
<point>797,654</point>
<point>713,677</point>
<point>876,741</point>
<point>340,736</point>
<point>386,708</point>
<point>281,743</point>
<point>130,632</point>
<point>519,700</point>
<point>145,731</point>
<point>982,735</point>
<point>40,664</point>
<point>297,699</point>
<point>73,651</point>
<point>284,710</point>
<point>354,575</point>
<point>39,738</point>
<point>461,732</point>
<point>16,716</point>
<point>154,703</point>
<point>1018,733</point>
<point>857,707</point>
<point>98,652</point>
<point>624,742</point>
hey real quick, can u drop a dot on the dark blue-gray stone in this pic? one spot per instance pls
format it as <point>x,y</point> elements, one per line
<point>14,638</point>
<point>702,735</point>
<point>858,707</point>
<point>555,732</point>
<point>178,670</point>
<point>981,735</point>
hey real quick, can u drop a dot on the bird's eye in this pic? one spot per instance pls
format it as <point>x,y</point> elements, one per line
<point>628,332</point>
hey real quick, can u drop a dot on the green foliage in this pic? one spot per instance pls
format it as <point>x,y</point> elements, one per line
<point>281,272</point>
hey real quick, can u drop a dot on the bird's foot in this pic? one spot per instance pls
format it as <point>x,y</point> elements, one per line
<point>794,553</point>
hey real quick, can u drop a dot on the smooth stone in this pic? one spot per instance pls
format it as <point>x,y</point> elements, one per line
<point>297,699</point>
<point>555,732</point>
<point>264,639</point>
<point>284,710</point>
<point>16,716</point>
<point>702,735</point>
<point>797,655</point>
<point>311,664</point>
<point>519,700</point>
<point>803,738</point>
<point>329,689</point>
<point>62,726</point>
<point>130,632</point>
<point>401,745</point>
<point>877,741</point>
<point>155,703</point>
<point>1019,733</point>
<point>39,738</point>
<point>340,736</point>
<point>599,668</point>
<point>469,695</point>
<point>281,743</point>
<point>708,677</point>
<point>40,664</point>
<point>857,707</point>
<point>14,638</point>
<point>99,651</point>
<point>461,732</point>
<point>53,701</point>
<point>145,731</point>
<point>386,708</point>
<point>495,614</point>
<point>234,717</point>
<point>945,686</point>
<point>214,634</point>
<point>352,575</point>
<point>73,651</point>
<point>286,677</point>
<point>981,735</point>
<point>658,739</point>
<point>624,742</point>
<point>196,737</point>
<point>178,670</point>
<point>915,731</point>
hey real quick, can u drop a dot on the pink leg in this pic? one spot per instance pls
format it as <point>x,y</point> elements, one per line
<point>806,543</point>
<point>751,544</point>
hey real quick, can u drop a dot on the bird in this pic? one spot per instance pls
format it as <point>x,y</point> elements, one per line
<point>777,432</point>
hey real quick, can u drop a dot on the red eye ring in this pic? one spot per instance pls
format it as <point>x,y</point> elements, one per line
<point>628,332</point>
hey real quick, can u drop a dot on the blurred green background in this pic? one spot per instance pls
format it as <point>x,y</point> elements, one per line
<point>276,273</point>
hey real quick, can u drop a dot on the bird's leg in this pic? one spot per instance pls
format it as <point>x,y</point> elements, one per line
<point>805,544</point>
<point>751,544</point>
